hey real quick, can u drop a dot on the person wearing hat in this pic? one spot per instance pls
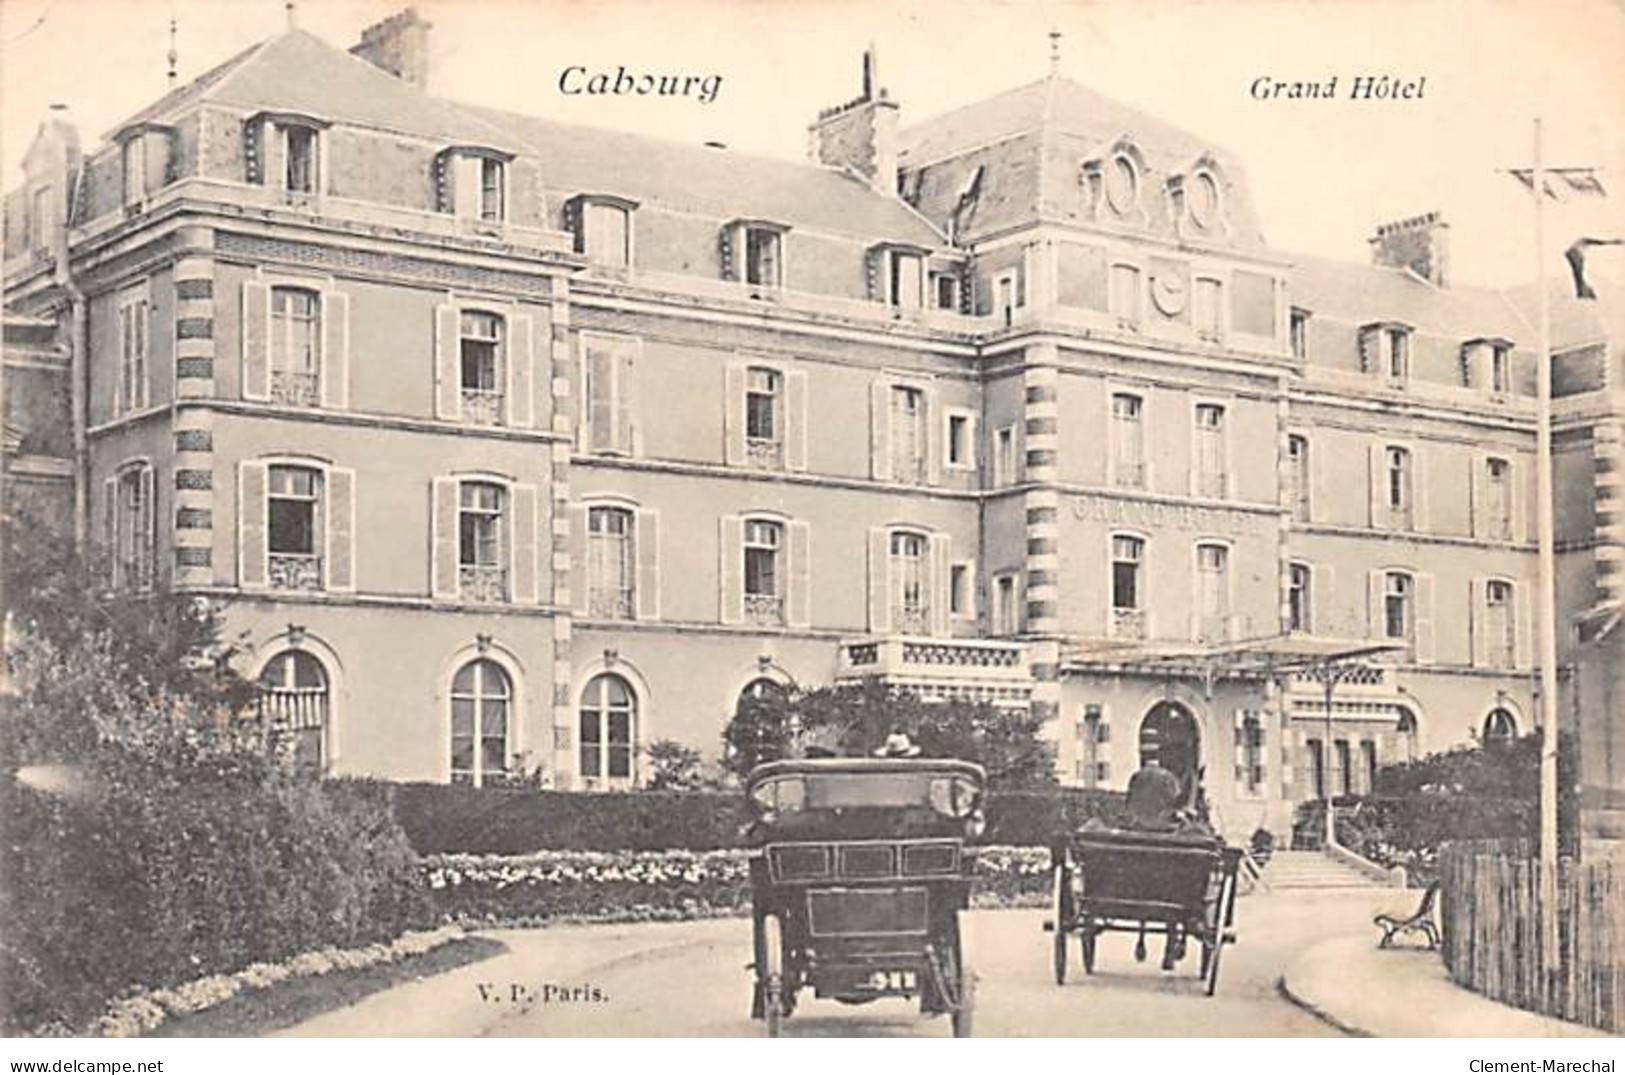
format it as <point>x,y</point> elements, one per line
<point>898,745</point>
<point>1154,793</point>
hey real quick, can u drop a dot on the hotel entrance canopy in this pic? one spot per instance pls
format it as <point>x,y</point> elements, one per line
<point>1247,659</point>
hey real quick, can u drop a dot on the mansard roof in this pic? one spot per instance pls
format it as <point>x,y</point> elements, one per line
<point>1031,143</point>
<point>298,72</point>
<point>711,182</point>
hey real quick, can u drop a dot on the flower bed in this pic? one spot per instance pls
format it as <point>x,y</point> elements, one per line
<point>635,886</point>
<point>142,1012</point>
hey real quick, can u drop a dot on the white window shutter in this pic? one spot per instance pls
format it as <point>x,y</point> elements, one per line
<point>879,580</point>
<point>148,528</point>
<point>579,574</point>
<point>972,590</point>
<point>256,333</point>
<point>1378,486</point>
<point>1419,489</point>
<point>443,566</point>
<point>939,549</point>
<point>1515,497</point>
<point>448,374</point>
<point>880,431</point>
<point>733,414</point>
<point>340,530</point>
<point>1522,627</point>
<point>936,431</point>
<point>466,185</point>
<point>145,387</point>
<point>110,529</point>
<point>1477,622</point>
<point>627,433</point>
<point>521,371</point>
<point>795,420</point>
<point>252,552</point>
<point>1424,619</point>
<point>1376,624</point>
<point>799,610</point>
<point>335,373</point>
<point>523,540</point>
<point>646,547</point>
<point>1478,499</point>
<point>731,569</point>
<point>598,397</point>
<point>1323,602</point>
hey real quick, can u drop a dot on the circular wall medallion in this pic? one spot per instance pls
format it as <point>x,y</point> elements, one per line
<point>1168,292</point>
<point>1123,184</point>
<point>1204,199</point>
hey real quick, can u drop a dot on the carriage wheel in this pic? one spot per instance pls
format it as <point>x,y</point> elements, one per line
<point>1063,919</point>
<point>1212,962</point>
<point>1089,935</point>
<point>772,974</point>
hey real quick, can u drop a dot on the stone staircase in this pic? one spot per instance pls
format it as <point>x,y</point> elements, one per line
<point>1296,870</point>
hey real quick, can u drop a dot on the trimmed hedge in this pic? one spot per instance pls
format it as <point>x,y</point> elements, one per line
<point>455,819</point>
<point>160,874</point>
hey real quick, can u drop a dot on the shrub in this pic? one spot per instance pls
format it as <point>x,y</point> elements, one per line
<point>161,874</point>
<point>450,819</point>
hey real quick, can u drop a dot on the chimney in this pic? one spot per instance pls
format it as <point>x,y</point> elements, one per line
<point>1419,243</point>
<point>862,133</point>
<point>399,45</point>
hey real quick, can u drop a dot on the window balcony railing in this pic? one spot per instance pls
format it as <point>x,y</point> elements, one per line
<point>610,604</point>
<point>1212,485</point>
<point>295,389</point>
<point>482,406</point>
<point>911,619</point>
<point>482,582</point>
<point>764,609</point>
<point>1129,623</point>
<point>766,452</point>
<point>295,571</point>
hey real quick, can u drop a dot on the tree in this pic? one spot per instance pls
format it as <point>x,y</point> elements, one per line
<point>675,767</point>
<point>90,667</point>
<point>855,719</point>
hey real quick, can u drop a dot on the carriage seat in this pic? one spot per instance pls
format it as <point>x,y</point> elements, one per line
<point>1398,924</point>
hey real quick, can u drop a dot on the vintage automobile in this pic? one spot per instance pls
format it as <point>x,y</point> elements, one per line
<point>861,872</point>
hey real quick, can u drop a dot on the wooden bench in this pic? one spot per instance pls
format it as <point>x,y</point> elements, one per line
<point>1420,921</point>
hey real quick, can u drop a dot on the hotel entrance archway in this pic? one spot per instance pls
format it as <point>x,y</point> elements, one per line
<point>1179,742</point>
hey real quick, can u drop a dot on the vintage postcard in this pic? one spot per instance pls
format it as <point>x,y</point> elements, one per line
<point>834,519</point>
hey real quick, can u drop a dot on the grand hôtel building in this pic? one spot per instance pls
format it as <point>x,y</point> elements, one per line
<point>518,446</point>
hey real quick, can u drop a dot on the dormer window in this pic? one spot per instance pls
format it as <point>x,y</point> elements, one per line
<point>899,275</point>
<point>753,252</point>
<point>285,150</point>
<point>764,257</point>
<point>144,152</point>
<point>301,152</point>
<point>1486,364</point>
<point>471,182</point>
<point>1122,184</point>
<point>1203,199</point>
<point>602,224</point>
<point>1385,350</point>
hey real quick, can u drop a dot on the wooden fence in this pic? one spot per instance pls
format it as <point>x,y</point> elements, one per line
<point>1488,911</point>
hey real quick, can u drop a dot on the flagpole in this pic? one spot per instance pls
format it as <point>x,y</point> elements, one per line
<point>1547,579</point>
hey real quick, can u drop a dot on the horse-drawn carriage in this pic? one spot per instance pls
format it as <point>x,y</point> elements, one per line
<point>1177,885</point>
<point>861,873</point>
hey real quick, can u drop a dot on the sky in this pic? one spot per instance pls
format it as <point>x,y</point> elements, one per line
<point>1323,173</point>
